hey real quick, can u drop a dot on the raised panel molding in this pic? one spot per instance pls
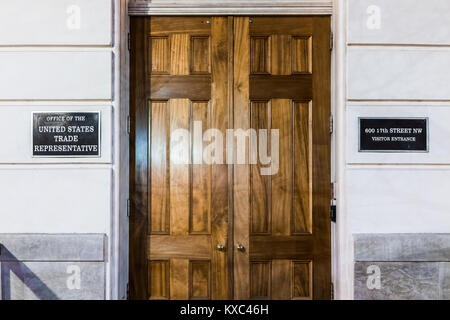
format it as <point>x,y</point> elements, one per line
<point>232,7</point>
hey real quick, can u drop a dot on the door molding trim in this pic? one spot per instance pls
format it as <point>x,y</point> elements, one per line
<point>231,7</point>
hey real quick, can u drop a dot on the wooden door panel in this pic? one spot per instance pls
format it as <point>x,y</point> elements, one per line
<point>159,222</point>
<point>287,241</point>
<point>281,279</point>
<point>200,279</point>
<point>200,220</point>
<point>186,77</point>
<point>159,279</point>
<point>302,174</point>
<point>200,55</point>
<point>260,196</point>
<point>281,190</point>
<point>287,193</point>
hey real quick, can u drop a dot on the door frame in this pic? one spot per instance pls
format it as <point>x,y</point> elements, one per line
<point>342,245</point>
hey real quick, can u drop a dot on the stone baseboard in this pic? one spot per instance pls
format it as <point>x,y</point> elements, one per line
<point>402,266</point>
<point>52,266</point>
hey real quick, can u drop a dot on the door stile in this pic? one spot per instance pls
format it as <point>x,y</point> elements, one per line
<point>321,164</point>
<point>220,121</point>
<point>138,161</point>
<point>241,182</point>
<point>230,242</point>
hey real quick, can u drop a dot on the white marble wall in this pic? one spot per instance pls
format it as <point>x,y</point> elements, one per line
<point>55,22</point>
<point>398,73</point>
<point>64,55</point>
<point>397,65</point>
<point>56,74</point>
<point>398,22</point>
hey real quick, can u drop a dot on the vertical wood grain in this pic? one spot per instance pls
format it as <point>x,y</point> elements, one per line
<point>282,181</point>
<point>201,176</point>
<point>230,102</point>
<point>159,280</point>
<point>138,159</point>
<point>179,53</point>
<point>179,279</point>
<point>260,184</point>
<point>241,171</point>
<point>159,142</point>
<point>281,279</point>
<point>301,55</point>
<point>281,54</point>
<point>260,280</point>
<point>179,171</point>
<point>259,55</point>
<point>219,185</point>
<point>301,280</point>
<point>302,193</point>
<point>321,163</point>
<point>160,55</point>
<point>200,55</point>
<point>200,280</point>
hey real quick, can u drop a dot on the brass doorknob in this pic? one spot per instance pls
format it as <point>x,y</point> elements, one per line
<point>240,247</point>
<point>220,247</point>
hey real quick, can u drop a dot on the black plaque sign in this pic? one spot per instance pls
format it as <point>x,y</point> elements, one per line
<point>393,134</point>
<point>66,134</point>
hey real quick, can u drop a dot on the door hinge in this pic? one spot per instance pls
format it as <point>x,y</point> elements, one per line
<point>333,202</point>
<point>331,124</point>
<point>333,213</point>
<point>333,191</point>
<point>129,42</point>
<point>128,208</point>
<point>331,41</point>
<point>332,291</point>
<point>128,124</point>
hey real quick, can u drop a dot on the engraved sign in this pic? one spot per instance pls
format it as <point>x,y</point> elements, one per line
<point>66,134</point>
<point>393,134</point>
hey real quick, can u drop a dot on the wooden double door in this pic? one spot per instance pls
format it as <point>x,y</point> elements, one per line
<point>224,229</point>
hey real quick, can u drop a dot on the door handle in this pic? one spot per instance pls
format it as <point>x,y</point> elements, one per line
<point>240,247</point>
<point>220,247</point>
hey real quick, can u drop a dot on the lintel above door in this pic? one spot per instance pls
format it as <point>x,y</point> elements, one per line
<point>230,7</point>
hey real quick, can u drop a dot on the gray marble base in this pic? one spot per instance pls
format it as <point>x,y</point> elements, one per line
<point>402,266</point>
<point>52,280</point>
<point>402,247</point>
<point>52,266</point>
<point>52,247</point>
<point>403,281</point>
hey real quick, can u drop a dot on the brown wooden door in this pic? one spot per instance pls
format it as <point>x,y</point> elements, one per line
<point>282,81</point>
<point>241,73</point>
<point>179,75</point>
